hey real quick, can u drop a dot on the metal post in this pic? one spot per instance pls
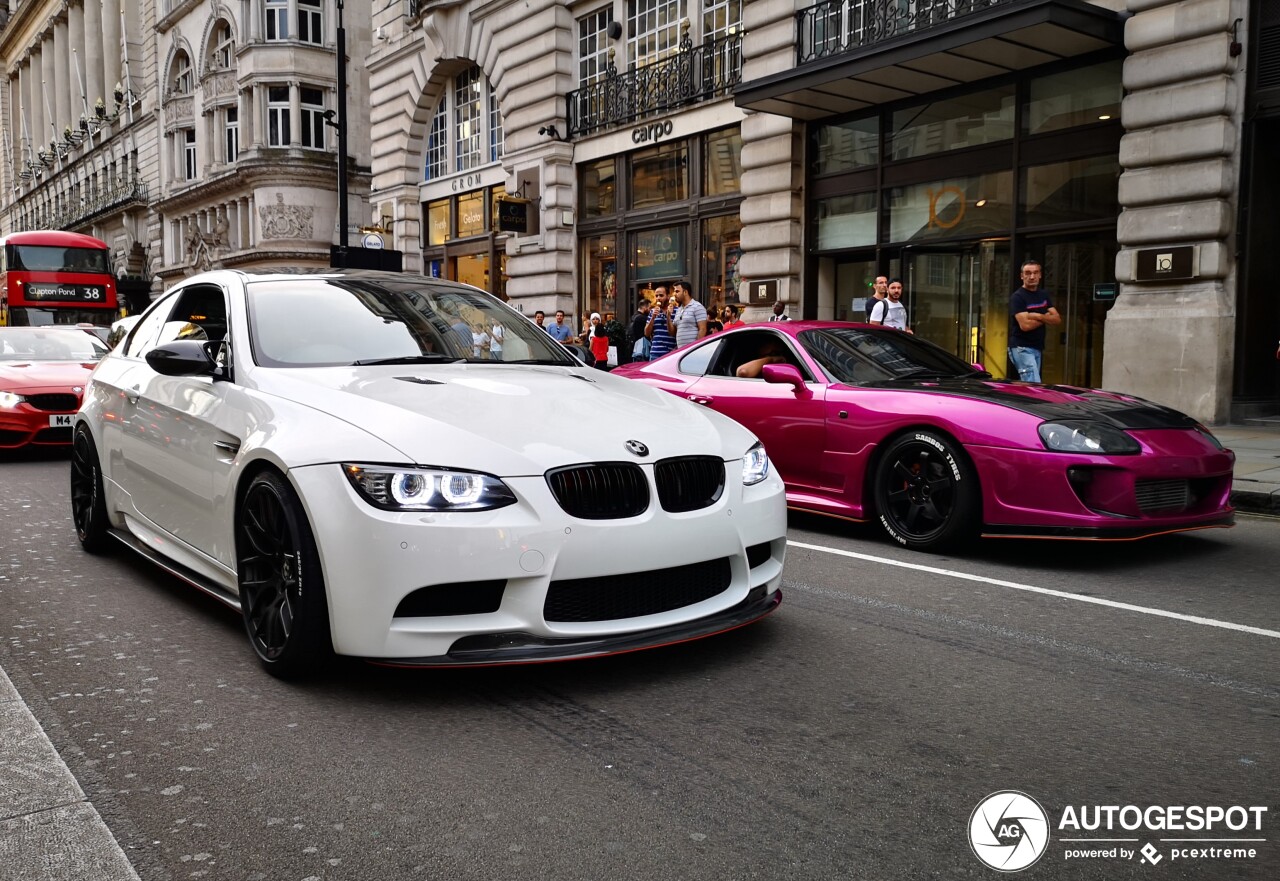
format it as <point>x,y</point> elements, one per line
<point>342,136</point>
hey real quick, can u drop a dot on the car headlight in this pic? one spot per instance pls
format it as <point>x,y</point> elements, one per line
<point>1086,437</point>
<point>755,465</point>
<point>428,489</point>
<point>9,400</point>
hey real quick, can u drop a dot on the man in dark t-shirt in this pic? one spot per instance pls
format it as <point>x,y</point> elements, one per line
<point>1030,311</point>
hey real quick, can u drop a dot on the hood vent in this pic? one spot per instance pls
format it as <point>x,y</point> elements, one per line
<point>420,380</point>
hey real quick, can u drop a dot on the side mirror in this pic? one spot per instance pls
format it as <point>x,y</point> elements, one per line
<point>785,374</point>
<point>978,367</point>
<point>580,353</point>
<point>182,358</point>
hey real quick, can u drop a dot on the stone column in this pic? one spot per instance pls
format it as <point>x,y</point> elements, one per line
<point>257,124</point>
<point>1173,341</point>
<point>91,53</point>
<point>60,96</point>
<point>47,93</point>
<point>111,49</point>
<point>24,123</point>
<point>295,114</point>
<point>75,64</point>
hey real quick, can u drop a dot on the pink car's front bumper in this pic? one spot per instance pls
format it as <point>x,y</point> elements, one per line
<point>1179,481</point>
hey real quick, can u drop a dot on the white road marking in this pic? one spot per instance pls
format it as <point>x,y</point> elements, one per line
<point>1128,607</point>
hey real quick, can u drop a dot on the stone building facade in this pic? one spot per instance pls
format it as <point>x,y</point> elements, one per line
<point>187,135</point>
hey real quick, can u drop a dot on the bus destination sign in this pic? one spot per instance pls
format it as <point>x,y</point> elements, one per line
<point>44,291</point>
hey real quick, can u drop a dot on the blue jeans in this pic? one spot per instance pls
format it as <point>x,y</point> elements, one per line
<point>1027,362</point>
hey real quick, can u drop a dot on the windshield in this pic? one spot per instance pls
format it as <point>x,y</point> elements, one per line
<point>856,356</point>
<point>36,316</point>
<point>343,321</point>
<point>45,258</point>
<point>37,344</point>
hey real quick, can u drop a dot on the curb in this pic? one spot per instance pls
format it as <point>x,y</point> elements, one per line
<point>1256,501</point>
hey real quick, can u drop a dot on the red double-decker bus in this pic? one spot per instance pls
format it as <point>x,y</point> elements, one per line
<point>54,277</point>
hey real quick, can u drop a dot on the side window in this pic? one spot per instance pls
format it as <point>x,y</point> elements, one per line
<point>200,313</point>
<point>696,362</point>
<point>144,335</point>
<point>757,344</point>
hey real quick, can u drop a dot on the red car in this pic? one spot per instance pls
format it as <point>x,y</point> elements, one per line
<point>43,371</point>
<point>865,422</point>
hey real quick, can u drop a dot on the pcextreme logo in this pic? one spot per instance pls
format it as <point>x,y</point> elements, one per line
<point>1009,831</point>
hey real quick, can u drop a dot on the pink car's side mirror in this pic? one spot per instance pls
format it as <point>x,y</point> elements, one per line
<point>785,374</point>
<point>978,367</point>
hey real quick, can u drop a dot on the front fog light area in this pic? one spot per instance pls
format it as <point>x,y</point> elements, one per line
<point>428,489</point>
<point>755,465</point>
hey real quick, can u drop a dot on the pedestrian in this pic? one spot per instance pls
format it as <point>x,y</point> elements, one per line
<point>779,312</point>
<point>559,330</point>
<point>714,322</point>
<point>732,318</point>
<point>539,317</point>
<point>598,341</point>
<point>495,341</point>
<point>637,342</point>
<point>690,317</point>
<point>479,342</point>
<point>1030,311</point>
<point>879,291</point>
<point>890,312</point>
<point>661,329</point>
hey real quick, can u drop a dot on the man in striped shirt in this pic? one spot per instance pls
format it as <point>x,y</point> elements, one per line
<point>661,329</point>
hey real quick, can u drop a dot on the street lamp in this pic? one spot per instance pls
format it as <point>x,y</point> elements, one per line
<point>342,140</point>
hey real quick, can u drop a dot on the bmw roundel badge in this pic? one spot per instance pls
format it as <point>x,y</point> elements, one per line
<point>636,448</point>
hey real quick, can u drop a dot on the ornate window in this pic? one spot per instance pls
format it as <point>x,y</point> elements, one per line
<point>278,133</point>
<point>224,47</point>
<point>277,19</point>
<point>653,30</point>
<point>310,22</point>
<point>312,118</point>
<point>231,134</point>
<point>466,127</point>
<point>182,80</point>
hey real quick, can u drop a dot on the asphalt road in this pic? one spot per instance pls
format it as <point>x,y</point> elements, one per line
<point>851,735</point>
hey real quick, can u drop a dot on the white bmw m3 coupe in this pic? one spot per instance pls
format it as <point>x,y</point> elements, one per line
<point>335,457</point>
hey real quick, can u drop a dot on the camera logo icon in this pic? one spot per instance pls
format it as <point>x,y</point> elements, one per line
<point>1009,831</point>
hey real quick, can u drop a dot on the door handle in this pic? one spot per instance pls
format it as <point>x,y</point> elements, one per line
<point>701,399</point>
<point>132,394</point>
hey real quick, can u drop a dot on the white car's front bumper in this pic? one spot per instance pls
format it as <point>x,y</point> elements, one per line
<point>491,571</point>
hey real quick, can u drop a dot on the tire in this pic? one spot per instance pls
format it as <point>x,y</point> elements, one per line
<point>88,501</point>
<point>926,492</point>
<point>282,594</point>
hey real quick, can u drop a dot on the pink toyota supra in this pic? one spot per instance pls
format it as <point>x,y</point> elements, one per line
<point>865,422</point>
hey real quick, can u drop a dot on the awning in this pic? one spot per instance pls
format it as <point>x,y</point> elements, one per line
<point>963,47</point>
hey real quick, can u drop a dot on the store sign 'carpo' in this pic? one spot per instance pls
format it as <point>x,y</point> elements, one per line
<point>652,133</point>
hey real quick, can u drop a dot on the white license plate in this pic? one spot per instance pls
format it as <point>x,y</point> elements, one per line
<point>61,421</point>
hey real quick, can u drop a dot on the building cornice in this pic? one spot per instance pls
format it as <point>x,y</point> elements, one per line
<point>249,174</point>
<point>175,15</point>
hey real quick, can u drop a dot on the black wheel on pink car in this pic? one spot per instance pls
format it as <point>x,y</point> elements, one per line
<point>926,492</point>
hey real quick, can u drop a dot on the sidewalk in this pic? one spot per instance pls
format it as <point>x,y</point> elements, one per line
<point>1256,488</point>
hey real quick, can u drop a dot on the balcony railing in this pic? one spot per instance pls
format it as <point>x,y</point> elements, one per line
<point>693,74</point>
<point>838,26</point>
<point>68,212</point>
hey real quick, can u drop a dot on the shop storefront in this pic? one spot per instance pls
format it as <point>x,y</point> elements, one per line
<point>462,236</point>
<point>952,193</point>
<point>660,214</point>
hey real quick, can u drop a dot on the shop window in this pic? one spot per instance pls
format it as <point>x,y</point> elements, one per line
<point>846,221</point>
<point>597,188</point>
<point>659,254</point>
<point>438,222</point>
<point>471,215</point>
<point>846,146</point>
<point>963,121</point>
<point>1076,97</point>
<point>722,172</point>
<point>721,253</point>
<point>1067,192</point>
<point>945,209</point>
<point>660,175</point>
<point>600,269</point>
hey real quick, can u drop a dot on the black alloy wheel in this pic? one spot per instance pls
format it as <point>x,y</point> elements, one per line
<point>88,503</point>
<point>282,591</point>
<point>926,492</point>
